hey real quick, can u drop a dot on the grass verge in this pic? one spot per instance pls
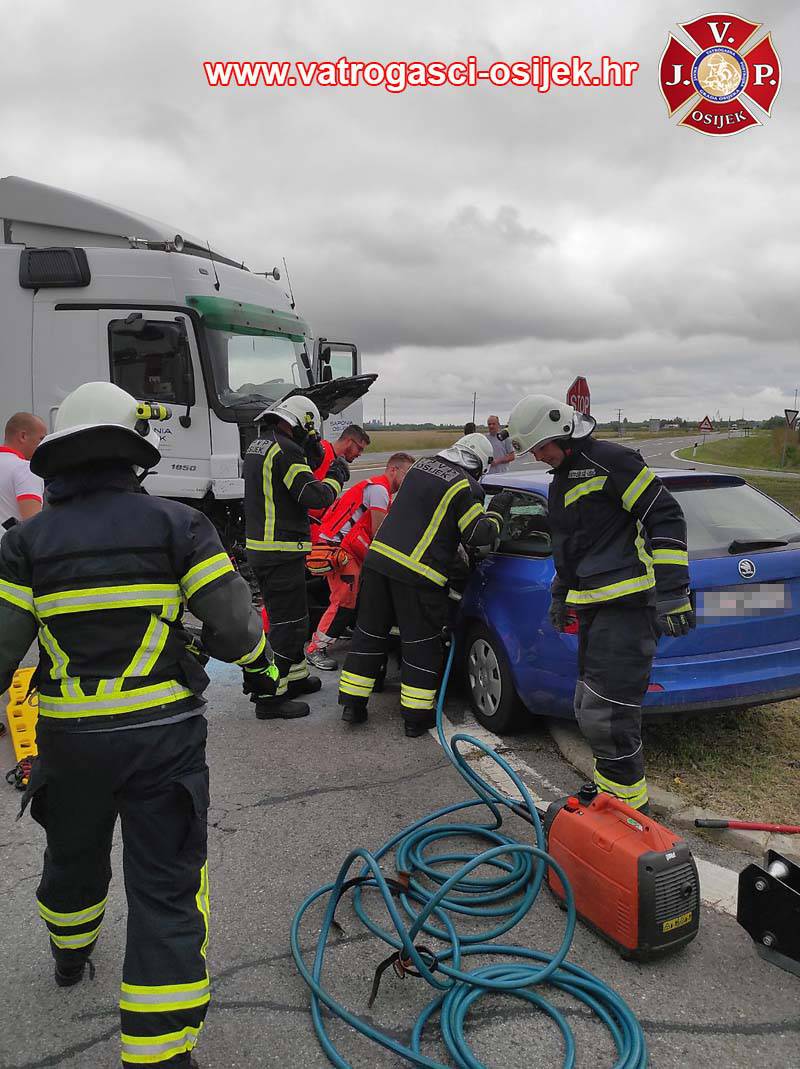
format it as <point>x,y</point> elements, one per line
<point>761,450</point>
<point>786,491</point>
<point>743,764</point>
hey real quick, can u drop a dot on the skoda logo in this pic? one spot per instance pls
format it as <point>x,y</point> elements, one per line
<point>746,568</point>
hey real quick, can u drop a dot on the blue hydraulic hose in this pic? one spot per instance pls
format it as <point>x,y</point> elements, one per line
<point>426,897</point>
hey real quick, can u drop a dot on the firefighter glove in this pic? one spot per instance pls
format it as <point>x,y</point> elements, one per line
<point>558,614</point>
<point>339,470</point>
<point>675,616</point>
<point>314,452</point>
<point>194,644</point>
<point>260,678</point>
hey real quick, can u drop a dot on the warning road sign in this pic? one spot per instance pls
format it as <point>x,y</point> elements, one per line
<point>706,426</point>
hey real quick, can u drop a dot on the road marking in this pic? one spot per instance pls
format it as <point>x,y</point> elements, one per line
<point>718,885</point>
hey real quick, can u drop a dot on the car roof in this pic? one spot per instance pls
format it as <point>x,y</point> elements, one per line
<point>538,479</point>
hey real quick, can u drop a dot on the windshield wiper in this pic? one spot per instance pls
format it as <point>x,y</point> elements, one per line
<point>746,545</point>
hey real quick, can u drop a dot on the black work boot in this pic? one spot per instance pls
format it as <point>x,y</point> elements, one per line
<point>308,685</point>
<point>68,973</point>
<point>354,713</point>
<point>281,709</point>
<point>418,725</point>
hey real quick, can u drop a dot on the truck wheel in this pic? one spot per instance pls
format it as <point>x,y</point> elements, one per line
<point>489,684</point>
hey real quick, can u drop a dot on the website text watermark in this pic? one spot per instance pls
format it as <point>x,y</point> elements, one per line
<point>541,73</point>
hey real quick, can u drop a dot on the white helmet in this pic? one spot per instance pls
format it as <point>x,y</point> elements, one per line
<point>99,421</point>
<point>537,419</point>
<point>298,411</point>
<point>471,451</point>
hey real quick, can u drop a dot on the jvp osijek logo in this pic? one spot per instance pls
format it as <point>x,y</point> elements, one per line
<point>722,82</point>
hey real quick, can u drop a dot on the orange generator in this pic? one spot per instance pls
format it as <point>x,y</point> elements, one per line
<point>634,881</point>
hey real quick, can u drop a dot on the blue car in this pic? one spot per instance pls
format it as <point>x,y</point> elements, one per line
<point>744,560</point>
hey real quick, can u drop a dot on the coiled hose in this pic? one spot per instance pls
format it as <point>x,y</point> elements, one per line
<point>426,898</point>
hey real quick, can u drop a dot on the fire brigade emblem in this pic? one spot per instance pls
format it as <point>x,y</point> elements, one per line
<point>726,81</point>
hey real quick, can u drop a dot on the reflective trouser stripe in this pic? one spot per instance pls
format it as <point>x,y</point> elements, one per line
<point>297,671</point>
<point>71,920</point>
<point>255,652</point>
<point>358,686</point>
<point>149,1050</point>
<point>204,905</point>
<point>75,942</point>
<point>74,930</point>
<point>634,794</point>
<point>166,997</point>
<point>416,697</point>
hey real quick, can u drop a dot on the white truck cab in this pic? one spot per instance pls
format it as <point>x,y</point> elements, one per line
<point>90,292</point>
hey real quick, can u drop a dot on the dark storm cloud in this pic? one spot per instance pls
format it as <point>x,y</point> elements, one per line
<point>489,240</point>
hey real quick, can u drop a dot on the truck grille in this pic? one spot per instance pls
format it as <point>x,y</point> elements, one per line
<point>676,892</point>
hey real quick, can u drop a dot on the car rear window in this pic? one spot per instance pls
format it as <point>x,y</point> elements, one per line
<point>719,515</point>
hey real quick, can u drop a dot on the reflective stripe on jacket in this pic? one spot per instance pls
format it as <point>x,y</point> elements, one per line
<point>438,506</point>
<point>616,530</point>
<point>279,491</point>
<point>101,576</point>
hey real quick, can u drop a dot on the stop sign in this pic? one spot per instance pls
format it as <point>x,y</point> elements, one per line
<point>578,395</point>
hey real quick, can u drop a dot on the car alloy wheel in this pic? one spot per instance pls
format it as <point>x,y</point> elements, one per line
<point>483,672</point>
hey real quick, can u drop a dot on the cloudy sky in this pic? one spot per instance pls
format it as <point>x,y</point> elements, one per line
<point>491,239</point>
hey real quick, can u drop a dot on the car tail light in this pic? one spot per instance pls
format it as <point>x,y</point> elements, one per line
<point>654,688</point>
<point>572,626</point>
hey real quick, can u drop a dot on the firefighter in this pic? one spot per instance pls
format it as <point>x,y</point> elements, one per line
<point>351,523</point>
<point>279,490</point>
<point>439,506</point>
<point>619,547</point>
<point>102,575</point>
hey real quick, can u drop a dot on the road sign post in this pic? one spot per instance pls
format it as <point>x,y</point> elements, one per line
<point>705,427</point>
<point>578,396</point>
<point>791,420</point>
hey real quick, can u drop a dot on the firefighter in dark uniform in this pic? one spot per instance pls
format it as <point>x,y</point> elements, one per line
<point>439,506</point>
<point>279,490</point>
<point>619,547</point>
<point>102,576</point>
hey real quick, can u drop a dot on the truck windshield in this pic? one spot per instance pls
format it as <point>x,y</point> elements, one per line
<point>254,368</point>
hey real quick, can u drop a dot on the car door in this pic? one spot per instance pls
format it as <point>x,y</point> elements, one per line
<point>510,593</point>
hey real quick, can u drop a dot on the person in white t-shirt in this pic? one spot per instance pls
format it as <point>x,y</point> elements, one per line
<point>21,492</point>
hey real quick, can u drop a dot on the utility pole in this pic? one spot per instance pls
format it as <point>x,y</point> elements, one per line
<point>619,422</point>
<point>384,411</point>
<point>474,401</point>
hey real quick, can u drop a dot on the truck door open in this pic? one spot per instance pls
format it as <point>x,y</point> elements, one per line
<point>153,355</point>
<point>338,360</point>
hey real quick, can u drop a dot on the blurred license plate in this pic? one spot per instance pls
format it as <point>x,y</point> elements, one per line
<point>755,599</point>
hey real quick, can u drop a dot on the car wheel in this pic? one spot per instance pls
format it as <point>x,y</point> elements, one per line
<point>491,688</point>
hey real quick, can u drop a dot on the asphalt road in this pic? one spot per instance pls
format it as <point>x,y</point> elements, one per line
<point>289,800</point>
